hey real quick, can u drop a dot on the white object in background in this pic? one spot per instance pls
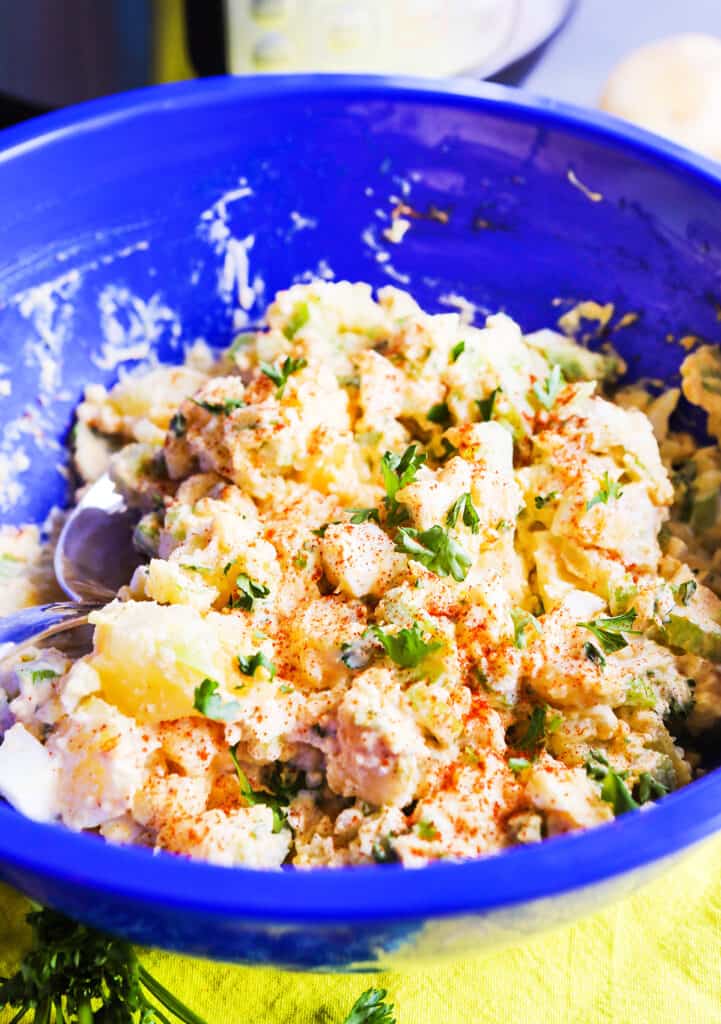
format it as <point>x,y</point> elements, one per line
<point>672,87</point>
<point>425,37</point>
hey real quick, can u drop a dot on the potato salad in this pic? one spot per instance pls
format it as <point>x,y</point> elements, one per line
<point>414,590</point>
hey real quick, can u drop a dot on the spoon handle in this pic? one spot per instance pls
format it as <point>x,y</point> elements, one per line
<point>33,625</point>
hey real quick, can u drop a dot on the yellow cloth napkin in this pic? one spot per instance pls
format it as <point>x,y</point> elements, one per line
<point>653,959</point>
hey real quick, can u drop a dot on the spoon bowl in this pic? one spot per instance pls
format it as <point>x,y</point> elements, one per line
<point>95,554</point>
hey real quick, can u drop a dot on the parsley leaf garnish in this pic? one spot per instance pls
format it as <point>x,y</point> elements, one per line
<point>247,591</point>
<point>609,490</point>
<point>457,350</point>
<point>487,405</point>
<point>73,974</point>
<point>613,786</point>
<point>208,703</point>
<point>537,729</point>
<point>248,663</point>
<point>297,319</point>
<point>468,512</point>
<point>407,648</point>
<point>521,621</point>
<point>398,472</point>
<point>547,393</point>
<point>684,591</point>
<point>280,376</point>
<point>220,408</point>
<point>608,631</point>
<point>440,414</point>
<point>40,675</point>
<point>364,515</point>
<point>647,788</point>
<point>540,501</point>
<point>255,796</point>
<point>593,654</point>
<point>436,550</point>
<point>427,830</point>
<point>178,424</point>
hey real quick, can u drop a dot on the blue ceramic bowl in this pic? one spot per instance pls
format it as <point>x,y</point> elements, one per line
<point>137,224</point>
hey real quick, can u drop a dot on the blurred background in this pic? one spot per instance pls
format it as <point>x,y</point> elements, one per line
<point>55,53</point>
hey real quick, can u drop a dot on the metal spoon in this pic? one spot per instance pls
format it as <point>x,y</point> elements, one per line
<point>95,554</point>
<point>63,623</point>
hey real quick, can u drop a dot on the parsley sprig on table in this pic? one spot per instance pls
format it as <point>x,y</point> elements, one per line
<point>74,974</point>
<point>371,1008</point>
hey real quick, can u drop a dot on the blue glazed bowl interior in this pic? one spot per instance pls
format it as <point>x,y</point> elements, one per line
<point>137,225</point>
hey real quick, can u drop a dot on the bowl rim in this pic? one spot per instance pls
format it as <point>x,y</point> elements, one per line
<point>379,892</point>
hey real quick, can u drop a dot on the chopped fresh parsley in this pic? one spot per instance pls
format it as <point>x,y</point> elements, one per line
<point>178,424</point>
<point>518,764</point>
<point>255,796</point>
<point>683,592</point>
<point>540,501</point>
<point>40,675</point>
<point>280,376</point>
<point>457,350</point>
<point>440,414</point>
<point>547,393</point>
<point>521,621</point>
<point>220,408</point>
<point>364,515</point>
<point>647,788</point>
<point>448,449</point>
<point>193,567</point>
<point>467,511</point>
<point>613,786</point>
<point>487,405</point>
<point>246,591</point>
<point>398,472</point>
<point>537,728</point>
<point>248,663</point>
<point>427,830</point>
<point>640,694</point>
<point>320,532</point>
<point>609,490</point>
<point>370,1008</point>
<point>297,319</point>
<point>608,631</point>
<point>406,648</point>
<point>593,654</point>
<point>208,703</point>
<point>435,549</point>
<point>384,852</point>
